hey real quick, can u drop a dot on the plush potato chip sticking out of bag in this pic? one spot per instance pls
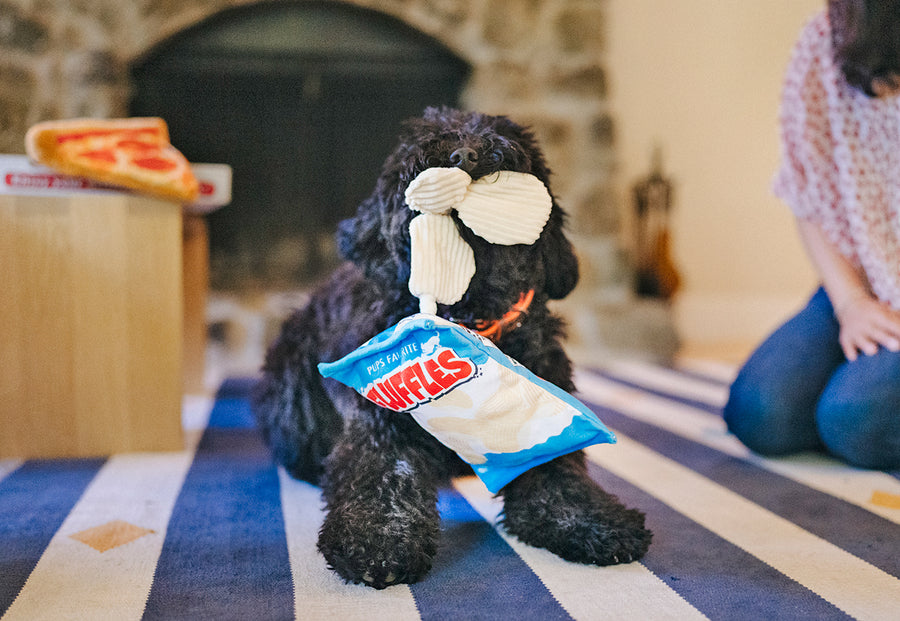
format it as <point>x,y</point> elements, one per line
<point>441,263</point>
<point>504,208</point>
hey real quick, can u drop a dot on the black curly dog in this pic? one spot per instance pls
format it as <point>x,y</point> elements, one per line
<point>379,470</point>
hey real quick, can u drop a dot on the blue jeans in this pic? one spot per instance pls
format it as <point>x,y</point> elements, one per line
<point>798,392</point>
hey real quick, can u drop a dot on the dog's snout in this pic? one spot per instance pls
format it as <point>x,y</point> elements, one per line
<point>464,158</point>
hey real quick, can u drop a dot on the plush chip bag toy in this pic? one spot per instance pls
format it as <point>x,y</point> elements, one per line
<point>497,415</point>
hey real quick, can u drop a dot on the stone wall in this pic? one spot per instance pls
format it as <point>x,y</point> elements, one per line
<point>539,61</point>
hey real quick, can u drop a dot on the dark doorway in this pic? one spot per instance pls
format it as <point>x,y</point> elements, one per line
<point>304,101</point>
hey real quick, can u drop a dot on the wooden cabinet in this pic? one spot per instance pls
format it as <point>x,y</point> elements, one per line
<point>91,325</point>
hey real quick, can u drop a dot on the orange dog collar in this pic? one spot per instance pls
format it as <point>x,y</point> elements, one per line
<point>493,329</point>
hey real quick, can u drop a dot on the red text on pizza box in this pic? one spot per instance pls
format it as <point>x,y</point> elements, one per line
<point>19,175</point>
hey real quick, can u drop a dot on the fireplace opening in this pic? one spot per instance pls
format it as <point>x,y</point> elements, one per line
<point>303,100</point>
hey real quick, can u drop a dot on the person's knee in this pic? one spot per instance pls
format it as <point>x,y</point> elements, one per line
<point>862,434</point>
<point>859,413</point>
<point>764,420</point>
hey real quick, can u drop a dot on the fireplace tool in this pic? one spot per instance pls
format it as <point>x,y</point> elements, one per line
<point>656,274</point>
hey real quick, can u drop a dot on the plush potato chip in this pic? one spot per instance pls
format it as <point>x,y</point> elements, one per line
<point>506,208</point>
<point>437,190</point>
<point>441,263</point>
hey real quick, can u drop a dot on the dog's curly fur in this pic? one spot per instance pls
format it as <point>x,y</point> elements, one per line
<point>379,470</point>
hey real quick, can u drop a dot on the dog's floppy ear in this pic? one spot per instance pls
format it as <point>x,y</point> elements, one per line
<point>560,262</point>
<point>358,238</point>
<point>377,239</point>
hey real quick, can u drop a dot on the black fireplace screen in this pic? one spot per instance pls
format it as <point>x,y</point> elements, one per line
<point>304,101</point>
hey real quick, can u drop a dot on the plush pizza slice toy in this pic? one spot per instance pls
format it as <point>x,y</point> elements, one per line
<point>134,153</point>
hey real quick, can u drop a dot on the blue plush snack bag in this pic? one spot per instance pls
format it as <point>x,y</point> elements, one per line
<point>496,414</point>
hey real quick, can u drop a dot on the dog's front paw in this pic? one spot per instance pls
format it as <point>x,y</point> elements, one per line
<point>371,546</point>
<point>575,519</point>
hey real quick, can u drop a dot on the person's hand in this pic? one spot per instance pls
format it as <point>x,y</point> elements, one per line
<point>866,325</point>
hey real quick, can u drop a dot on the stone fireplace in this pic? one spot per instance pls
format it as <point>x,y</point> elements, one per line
<point>541,62</point>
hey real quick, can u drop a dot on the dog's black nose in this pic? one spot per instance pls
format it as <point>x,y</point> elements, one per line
<point>464,158</point>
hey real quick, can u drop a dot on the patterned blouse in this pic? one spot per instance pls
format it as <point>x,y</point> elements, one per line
<point>841,160</point>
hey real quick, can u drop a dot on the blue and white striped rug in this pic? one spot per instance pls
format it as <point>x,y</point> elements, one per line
<point>218,532</point>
